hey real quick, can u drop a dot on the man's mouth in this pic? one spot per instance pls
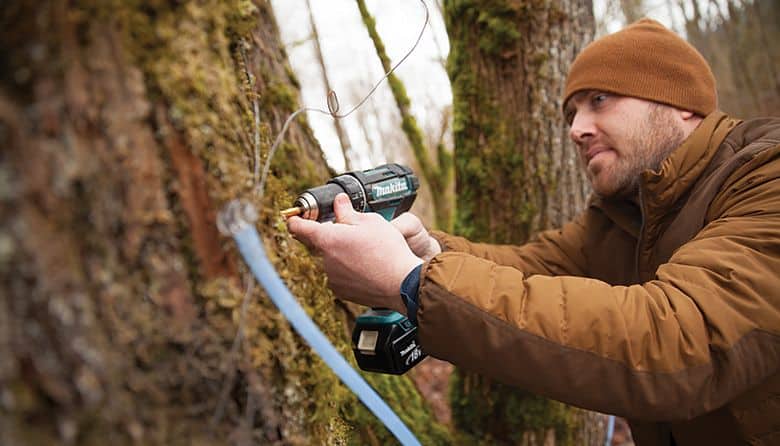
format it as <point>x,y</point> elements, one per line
<point>594,151</point>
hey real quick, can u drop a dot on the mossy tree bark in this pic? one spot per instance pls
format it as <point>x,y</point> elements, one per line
<point>124,127</point>
<point>516,173</point>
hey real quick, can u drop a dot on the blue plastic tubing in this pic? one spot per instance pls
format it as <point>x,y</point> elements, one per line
<point>254,255</point>
<point>610,430</point>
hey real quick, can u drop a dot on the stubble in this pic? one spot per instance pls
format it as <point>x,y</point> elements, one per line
<point>645,148</point>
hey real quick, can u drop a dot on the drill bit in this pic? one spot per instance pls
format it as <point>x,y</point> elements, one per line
<point>287,213</point>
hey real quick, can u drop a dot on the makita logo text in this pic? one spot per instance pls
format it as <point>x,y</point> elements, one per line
<point>392,188</point>
<point>408,348</point>
<point>413,356</point>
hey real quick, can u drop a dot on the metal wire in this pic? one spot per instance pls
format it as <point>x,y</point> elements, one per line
<point>333,107</point>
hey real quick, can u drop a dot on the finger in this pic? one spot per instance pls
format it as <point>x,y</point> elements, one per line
<point>342,207</point>
<point>407,224</point>
<point>307,231</point>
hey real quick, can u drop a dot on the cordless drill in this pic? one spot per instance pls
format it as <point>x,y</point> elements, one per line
<point>384,340</point>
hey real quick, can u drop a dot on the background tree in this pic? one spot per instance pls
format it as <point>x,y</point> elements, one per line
<point>124,316</point>
<point>516,173</point>
<point>633,10</point>
<point>436,172</point>
<point>341,132</point>
<point>739,38</point>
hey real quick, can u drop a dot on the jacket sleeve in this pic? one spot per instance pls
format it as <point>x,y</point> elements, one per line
<point>554,252</point>
<point>704,331</point>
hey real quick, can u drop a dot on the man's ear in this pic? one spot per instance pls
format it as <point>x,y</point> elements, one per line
<point>686,115</point>
<point>689,120</point>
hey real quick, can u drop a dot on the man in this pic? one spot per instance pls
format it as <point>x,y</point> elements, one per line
<point>659,303</point>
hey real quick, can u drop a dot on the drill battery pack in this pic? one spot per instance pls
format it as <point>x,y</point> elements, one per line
<point>385,341</point>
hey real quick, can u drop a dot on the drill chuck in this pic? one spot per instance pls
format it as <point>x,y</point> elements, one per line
<point>317,203</point>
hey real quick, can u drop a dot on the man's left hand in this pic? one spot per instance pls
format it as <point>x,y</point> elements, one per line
<point>366,258</point>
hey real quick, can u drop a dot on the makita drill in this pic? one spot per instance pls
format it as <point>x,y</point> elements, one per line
<point>383,340</point>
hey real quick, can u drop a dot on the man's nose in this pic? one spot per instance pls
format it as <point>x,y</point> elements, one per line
<point>582,127</point>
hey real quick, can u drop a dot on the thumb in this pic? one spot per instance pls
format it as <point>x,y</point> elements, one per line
<point>342,207</point>
<point>302,228</point>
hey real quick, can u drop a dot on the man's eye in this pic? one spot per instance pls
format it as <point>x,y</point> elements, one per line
<point>599,98</point>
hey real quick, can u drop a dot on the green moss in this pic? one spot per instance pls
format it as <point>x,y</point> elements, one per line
<point>496,22</point>
<point>401,394</point>
<point>399,91</point>
<point>242,18</point>
<point>279,94</point>
<point>498,31</point>
<point>498,414</point>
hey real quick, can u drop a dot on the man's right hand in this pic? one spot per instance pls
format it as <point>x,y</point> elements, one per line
<point>420,242</point>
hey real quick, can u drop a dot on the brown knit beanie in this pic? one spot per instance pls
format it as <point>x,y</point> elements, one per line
<point>647,61</point>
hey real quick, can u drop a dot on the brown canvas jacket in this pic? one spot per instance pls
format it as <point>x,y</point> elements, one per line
<point>668,315</point>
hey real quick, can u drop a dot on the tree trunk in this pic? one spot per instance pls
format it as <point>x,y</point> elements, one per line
<point>517,173</point>
<point>633,10</point>
<point>124,127</point>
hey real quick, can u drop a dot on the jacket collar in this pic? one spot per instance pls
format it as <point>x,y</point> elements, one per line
<point>660,189</point>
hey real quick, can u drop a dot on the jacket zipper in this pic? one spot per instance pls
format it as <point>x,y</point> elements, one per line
<point>637,250</point>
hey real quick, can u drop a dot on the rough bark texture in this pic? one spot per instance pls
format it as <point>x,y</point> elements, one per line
<point>516,173</point>
<point>124,127</point>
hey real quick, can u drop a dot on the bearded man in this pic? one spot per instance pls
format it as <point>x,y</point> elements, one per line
<point>659,303</point>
